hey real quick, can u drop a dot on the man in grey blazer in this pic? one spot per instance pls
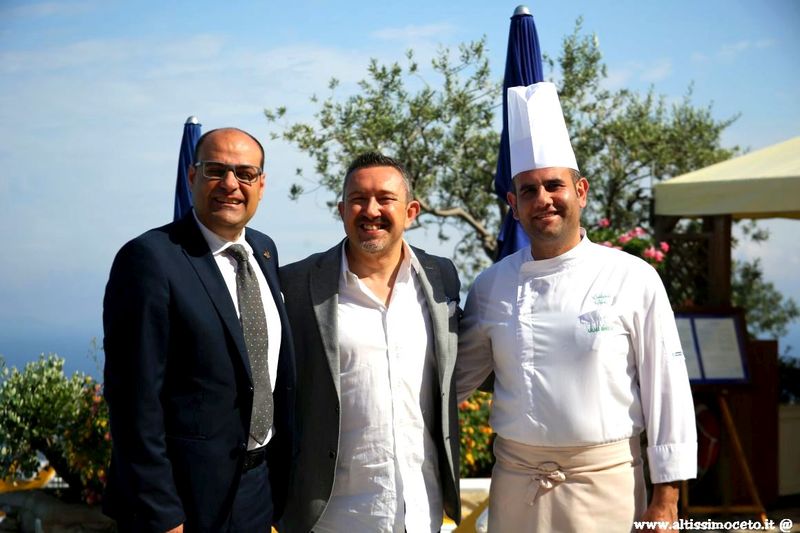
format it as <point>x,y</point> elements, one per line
<point>375,326</point>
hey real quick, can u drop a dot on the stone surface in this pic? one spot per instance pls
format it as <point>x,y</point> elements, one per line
<point>36,512</point>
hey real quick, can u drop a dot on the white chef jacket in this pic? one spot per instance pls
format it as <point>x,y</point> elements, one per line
<point>585,351</point>
<point>387,477</point>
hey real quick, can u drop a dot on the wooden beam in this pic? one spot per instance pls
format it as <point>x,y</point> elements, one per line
<point>663,226</point>
<point>719,259</point>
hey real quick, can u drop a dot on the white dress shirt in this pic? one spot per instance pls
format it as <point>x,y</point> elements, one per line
<point>387,476</point>
<point>227,267</point>
<point>585,351</point>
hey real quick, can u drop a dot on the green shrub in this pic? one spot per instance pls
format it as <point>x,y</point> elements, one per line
<point>477,436</point>
<point>63,418</point>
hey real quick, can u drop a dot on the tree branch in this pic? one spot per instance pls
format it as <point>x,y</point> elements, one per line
<point>488,240</point>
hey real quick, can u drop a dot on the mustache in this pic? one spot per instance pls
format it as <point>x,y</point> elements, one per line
<point>369,220</point>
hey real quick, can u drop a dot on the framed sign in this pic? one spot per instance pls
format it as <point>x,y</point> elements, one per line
<point>713,344</point>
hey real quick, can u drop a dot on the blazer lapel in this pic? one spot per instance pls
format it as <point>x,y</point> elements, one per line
<point>438,308</point>
<point>324,287</point>
<point>269,268</point>
<point>202,260</point>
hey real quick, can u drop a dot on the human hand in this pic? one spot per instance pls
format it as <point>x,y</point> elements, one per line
<point>663,508</point>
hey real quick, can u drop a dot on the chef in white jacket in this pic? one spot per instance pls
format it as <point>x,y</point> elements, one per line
<point>585,351</point>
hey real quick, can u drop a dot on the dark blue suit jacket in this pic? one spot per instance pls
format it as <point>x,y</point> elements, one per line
<point>178,383</point>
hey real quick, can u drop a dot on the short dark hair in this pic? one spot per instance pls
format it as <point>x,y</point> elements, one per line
<point>377,159</point>
<point>201,140</point>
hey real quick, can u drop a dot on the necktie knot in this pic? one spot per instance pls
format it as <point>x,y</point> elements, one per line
<point>238,252</point>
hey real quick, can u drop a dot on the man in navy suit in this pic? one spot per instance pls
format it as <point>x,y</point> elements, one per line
<point>179,380</point>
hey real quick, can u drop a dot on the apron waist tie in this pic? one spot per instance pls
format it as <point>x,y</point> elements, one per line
<point>545,475</point>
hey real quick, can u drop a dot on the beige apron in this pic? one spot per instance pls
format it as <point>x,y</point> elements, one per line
<point>566,489</point>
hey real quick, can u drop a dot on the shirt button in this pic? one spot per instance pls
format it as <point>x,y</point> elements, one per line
<point>332,454</point>
<point>337,409</point>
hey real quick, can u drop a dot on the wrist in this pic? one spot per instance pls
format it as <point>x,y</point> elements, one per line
<point>665,493</point>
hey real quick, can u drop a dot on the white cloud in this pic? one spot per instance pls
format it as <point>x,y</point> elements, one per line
<point>414,33</point>
<point>111,55</point>
<point>658,71</point>
<point>108,114</point>
<point>425,40</point>
<point>731,51</point>
<point>633,71</point>
<point>779,266</point>
<point>618,77</point>
<point>48,9</point>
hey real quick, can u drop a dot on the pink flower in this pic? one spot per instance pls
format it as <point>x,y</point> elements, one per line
<point>650,253</point>
<point>664,246</point>
<point>659,256</point>
<point>638,231</point>
<point>603,223</point>
<point>607,243</point>
<point>624,238</point>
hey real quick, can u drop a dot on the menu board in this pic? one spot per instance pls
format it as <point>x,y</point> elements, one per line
<point>713,347</point>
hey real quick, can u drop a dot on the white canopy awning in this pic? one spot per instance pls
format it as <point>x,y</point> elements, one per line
<point>761,184</point>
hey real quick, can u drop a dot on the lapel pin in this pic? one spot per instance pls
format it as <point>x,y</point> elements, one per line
<point>267,255</point>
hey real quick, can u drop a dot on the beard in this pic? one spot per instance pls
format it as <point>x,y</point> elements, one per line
<point>373,246</point>
<point>377,244</point>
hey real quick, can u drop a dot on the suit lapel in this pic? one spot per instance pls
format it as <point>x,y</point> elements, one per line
<point>268,267</point>
<point>433,288</point>
<point>202,260</point>
<point>324,287</point>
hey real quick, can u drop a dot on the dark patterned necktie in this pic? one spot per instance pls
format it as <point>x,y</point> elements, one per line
<point>254,326</point>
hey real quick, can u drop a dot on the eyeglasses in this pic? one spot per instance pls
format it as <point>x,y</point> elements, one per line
<point>214,170</point>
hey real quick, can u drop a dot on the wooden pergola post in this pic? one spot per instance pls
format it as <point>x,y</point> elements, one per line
<point>719,259</point>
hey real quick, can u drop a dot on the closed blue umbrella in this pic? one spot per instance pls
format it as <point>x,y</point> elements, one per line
<point>523,68</point>
<point>183,196</point>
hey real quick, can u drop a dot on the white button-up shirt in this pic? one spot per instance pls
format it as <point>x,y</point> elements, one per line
<point>227,267</point>
<point>387,476</point>
<point>585,351</point>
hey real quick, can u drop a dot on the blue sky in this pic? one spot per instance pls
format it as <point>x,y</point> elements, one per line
<point>94,94</point>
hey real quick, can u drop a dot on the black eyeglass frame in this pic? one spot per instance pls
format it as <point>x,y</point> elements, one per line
<point>229,168</point>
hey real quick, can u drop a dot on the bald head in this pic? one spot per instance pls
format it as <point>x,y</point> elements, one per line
<point>221,131</point>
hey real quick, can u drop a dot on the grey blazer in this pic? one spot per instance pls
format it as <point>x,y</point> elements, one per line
<point>311,289</point>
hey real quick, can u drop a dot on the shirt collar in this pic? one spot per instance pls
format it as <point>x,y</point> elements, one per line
<point>409,261</point>
<point>218,244</point>
<point>529,264</point>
